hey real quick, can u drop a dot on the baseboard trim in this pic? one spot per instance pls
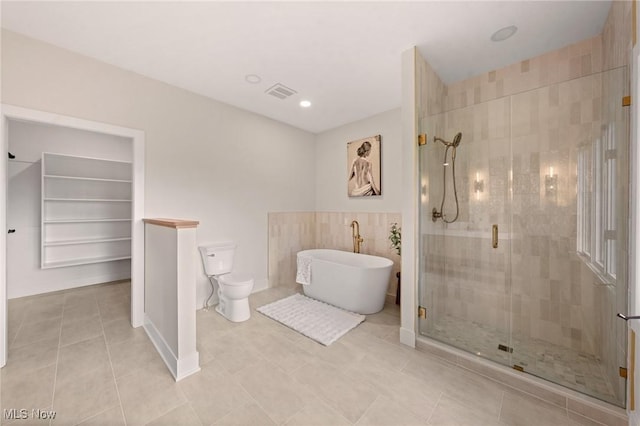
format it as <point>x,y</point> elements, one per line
<point>77,283</point>
<point>178,367</point>
<point>407,337</point>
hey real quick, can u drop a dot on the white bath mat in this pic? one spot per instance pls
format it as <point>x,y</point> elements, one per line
<point>317,320</point>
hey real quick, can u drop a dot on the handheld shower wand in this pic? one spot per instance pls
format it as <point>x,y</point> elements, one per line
<point>453,145</point>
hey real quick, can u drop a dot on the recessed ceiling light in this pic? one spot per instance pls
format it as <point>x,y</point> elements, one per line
<point>504,33</point>
<point>252,78</point>
<point>305,104</point>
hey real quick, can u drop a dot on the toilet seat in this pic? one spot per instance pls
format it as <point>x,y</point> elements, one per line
<point>236,279</point>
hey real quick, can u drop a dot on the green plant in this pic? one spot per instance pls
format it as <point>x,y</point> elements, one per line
<point>395,236</point>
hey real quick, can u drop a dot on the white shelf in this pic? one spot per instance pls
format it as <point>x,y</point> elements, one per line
<point>91,200</point>
<point>63,231</point>
<point>87,167</point>
<point>50,222</point>
<point>67,157</point>
<point>86,210</point>
<point>84,241</point>
<point>86,178</point>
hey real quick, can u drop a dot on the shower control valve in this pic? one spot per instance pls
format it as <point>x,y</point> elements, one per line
<point>435,214</point>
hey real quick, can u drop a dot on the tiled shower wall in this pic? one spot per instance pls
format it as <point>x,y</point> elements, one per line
<point>517,122</point>
<point>292,232</point>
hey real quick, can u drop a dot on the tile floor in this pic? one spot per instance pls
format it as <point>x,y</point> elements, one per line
<point>74,352</point>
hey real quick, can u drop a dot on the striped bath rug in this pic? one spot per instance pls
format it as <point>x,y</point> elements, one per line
<point>317,320</point>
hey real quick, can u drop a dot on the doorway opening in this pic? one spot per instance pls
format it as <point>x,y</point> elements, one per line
<point>131,244</point>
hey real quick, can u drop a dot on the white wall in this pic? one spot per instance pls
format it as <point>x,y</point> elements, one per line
<point>204,160</point>
<point>332,168</point>
<point>27,141</point>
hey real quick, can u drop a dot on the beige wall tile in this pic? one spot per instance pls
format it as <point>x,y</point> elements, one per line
<point>293,232</point>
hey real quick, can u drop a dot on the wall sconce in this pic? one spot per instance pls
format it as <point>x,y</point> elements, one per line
<point>550,183</point>
<point>478,185</point>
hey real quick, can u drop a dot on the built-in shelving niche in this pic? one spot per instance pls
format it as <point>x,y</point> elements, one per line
<point>86,210</point>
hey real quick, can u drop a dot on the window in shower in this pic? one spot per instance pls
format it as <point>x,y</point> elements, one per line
<point>584,201</point>
<point>610,199</point>
<point>596,204</point>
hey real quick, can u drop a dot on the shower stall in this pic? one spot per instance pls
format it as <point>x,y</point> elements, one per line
<point>523,239</point>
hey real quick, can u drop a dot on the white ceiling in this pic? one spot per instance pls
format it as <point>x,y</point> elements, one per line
<point>342,56</point>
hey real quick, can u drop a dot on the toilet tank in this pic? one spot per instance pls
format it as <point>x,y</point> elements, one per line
<point>217,258</point>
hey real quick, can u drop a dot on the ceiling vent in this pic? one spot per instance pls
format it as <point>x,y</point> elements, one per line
<point>280,91</point>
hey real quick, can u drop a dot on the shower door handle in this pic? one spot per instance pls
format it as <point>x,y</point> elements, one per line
<point>626,318</point>
<point>494,236</point>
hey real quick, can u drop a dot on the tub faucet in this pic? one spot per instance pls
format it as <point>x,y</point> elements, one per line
<point>357,239</point>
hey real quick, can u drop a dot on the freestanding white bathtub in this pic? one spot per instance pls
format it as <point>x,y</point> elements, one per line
<point>352,281</point>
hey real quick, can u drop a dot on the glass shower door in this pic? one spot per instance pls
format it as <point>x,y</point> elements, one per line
<point>570,198</point>
<point>546,171</point>
<point>464,262</point>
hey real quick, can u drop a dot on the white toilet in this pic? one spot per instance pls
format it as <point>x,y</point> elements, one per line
<point>233,288</point>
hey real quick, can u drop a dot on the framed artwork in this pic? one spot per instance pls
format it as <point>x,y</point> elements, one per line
<point>363,162</point>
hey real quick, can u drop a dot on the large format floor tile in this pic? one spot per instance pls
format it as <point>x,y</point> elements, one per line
<point>75,353</point>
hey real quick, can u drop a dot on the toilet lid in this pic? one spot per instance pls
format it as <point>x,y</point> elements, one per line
<point>236,279</point>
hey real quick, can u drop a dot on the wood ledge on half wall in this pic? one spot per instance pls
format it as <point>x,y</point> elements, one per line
<point>172,223</point>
